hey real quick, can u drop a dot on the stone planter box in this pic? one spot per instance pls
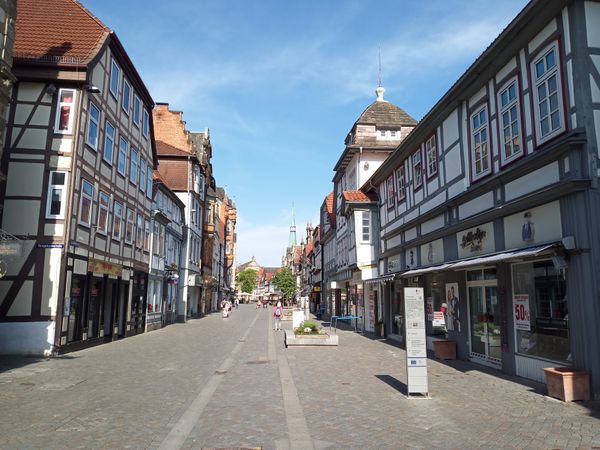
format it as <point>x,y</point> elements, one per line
<point>567,384</point>
<point>292,339</point>
<point>444,349</point>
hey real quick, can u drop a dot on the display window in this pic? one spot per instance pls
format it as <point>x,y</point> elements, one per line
<point>541,311</point>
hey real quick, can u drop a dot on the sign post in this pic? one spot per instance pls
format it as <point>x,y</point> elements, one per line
<point>416,342</point>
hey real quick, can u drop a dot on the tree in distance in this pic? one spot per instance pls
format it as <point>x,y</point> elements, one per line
<point>285,282</point>
<point>246,280</point>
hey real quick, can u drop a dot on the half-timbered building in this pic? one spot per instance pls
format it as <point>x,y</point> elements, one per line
<point>79,158</point>
<point>492,205</point>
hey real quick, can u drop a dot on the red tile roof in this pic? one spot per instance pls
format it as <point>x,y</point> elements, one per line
<point>356,196</point>
<point>57,31</point>
<point>162,148</point>
<point>329,206</point>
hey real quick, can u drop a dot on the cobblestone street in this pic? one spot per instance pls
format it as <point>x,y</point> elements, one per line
<point>230,383</point>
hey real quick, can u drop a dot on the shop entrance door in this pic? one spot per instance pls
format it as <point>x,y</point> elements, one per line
<point>484,317</point>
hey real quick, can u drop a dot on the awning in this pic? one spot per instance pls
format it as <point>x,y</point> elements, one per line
<point>381,279</point>
<point>426,270</point>
<point>499,257</point>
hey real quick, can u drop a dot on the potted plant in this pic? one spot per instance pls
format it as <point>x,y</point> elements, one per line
<point>567,384</point>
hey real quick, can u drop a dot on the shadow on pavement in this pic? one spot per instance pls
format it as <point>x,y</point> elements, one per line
<point>394,383</point>
<point>11,362</point>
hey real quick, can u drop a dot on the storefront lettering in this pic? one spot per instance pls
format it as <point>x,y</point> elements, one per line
<point>474,240</point>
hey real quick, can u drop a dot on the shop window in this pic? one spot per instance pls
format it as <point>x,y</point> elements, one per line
<point>540,311</point>
<point>64,112</point>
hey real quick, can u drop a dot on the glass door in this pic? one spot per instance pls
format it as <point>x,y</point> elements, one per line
<point>484,321</point>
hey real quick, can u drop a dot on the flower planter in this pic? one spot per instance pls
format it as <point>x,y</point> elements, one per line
<point>567,384</point>
<point>292,339</point>
<point>444,349</point>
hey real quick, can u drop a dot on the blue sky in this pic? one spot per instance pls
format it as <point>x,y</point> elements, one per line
<point>280,84</point>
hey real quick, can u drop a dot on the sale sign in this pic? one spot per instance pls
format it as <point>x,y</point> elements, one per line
<point>522,318</point>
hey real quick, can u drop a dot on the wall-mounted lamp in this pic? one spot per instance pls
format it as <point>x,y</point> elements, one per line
<point>91,88</point>
<point>50,89</point>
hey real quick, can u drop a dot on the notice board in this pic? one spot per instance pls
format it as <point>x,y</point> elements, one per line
<point>416,341</point>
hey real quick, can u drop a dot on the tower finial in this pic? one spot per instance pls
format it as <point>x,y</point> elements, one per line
<point>293,242</point>
<point>380,89</point>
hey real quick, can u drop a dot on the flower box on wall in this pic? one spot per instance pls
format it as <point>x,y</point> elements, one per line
<point>567,384</point>
<point>444,349</point>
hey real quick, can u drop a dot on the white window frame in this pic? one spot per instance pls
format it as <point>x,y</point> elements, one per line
<point>400,183</point>
<point>122,160</point>
<point>89,197</point>
<point>115,78</point>
<point>417,166</point>
<point>93,123</point>
<point>142,174</point>
<point>109,142</point>
<point>146,123</point>
<point>389,185</point>
<point>129,226</point>
<point>103,206</point>
<point>146,235</point>
<point>544,80</point>
<point>365,217</point>
<point>133,165</point>
<point>508,106</point>
<point>117,221</point>
<point>126,100</point>
<point>431,156</point>
<point>137,104</point>
<point>60,105</point>
<point>139,232</point>
<point>479,129</point>
<point>62,189</point>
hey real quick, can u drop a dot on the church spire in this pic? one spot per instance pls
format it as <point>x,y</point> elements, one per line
<point>293,242</point>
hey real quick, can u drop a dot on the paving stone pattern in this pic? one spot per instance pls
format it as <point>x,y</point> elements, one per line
<point>136,393</point>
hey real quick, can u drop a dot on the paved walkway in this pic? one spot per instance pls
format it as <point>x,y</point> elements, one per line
<point>230,383</point>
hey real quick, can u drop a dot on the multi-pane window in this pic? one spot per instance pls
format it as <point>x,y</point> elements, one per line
<point>93,126</point>
<point>401,183</point>
<point>136,110</point>
<point>146,123</point>
<point>122,165</point>
<point>139,232</point>
<point>115,75</point>
<point>417,169</point>
<point>85,204</point>
<point>65,111</point>
<point>103,207</point>
<point>133,166</point>
<point>149,181</point>
<point>126,101</point>
<point>109,142</point>
<point>432,156</point>
<point>366,226</point>
<point>129,226</point>
<point>510,122</point>
<point>390,191</point>
<point>146,234</point>
<point>480,156</point>
<point>57,185</point>
<point>142,174</point>
<point>117,221</point>
<point>548,95</point>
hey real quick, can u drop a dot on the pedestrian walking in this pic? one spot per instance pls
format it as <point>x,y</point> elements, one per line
<point>237,303</point>
<point>278,314</point>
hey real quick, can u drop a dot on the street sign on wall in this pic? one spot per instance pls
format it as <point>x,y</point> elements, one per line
<point>416,341</point>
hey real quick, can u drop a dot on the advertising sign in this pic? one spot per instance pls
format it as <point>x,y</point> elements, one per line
<point>429,308</point>
<point>438,319</point>
<point>522,317</point>
<point>416,342</point>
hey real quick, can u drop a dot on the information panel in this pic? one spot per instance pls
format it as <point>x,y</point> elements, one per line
<point>416,341</point>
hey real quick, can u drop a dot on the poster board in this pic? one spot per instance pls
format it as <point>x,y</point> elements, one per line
<point>416,342</point>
